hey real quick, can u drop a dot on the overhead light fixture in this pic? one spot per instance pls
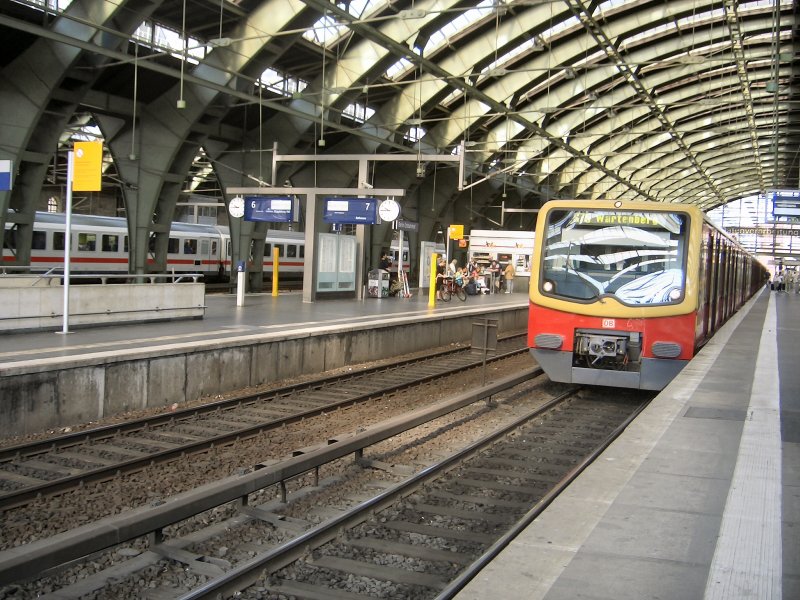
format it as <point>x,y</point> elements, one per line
<point>497,72</point>
<point>692,59</point>
<point>412,13</point>
<point>221,42</point>
<point>569,73</point>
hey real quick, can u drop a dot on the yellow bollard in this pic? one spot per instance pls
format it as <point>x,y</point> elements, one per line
<point>432,290</point>
<point>276,253</point>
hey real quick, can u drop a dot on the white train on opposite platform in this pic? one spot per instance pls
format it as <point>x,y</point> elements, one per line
<point>99,244</point>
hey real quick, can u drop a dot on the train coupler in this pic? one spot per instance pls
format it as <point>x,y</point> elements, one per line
<point>607,350</point>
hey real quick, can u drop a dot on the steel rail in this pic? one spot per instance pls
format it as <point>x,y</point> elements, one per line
<point>494,550</point>
<point>25,495</point>
<point>30,560</point>
<point>247,573</point>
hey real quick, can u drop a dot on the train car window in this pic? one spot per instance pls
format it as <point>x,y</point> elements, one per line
<point>125,243</point>
<point>110,243</point>
<point>228,248</point>
<point>173,246</point>
<point>267,249</point>
<point>281,250</point>
<point>39,241</point>
<point>87,242</point>
<point>213,248</point>
<point>190,246</point>
<point>302,251</point>
<point>636,256</point>
<point>291,251</point>
<point>58,240</point>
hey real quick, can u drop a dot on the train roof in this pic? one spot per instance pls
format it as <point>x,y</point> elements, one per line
<point>623,205</point>
<point>116,222</point>
<point>104,221</point>
<point>286,234</point>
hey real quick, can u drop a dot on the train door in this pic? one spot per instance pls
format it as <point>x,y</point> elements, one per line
<point>722,282</point>
<point>707,281</point>
<point>216,263</point>
<point>713,282</point>
<point>204,256</point>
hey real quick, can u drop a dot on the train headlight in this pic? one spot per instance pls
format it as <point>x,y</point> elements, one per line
<point>674,294</point>
<point>548,286</point>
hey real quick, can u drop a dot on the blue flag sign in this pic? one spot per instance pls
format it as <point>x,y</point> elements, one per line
<point>5,175</point>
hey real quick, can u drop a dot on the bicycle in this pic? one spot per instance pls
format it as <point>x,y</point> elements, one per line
<point>451,287</point>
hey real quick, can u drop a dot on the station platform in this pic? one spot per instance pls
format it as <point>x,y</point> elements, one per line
<point>261,314</point>
<point>51,380</point>
<point>700,496</point>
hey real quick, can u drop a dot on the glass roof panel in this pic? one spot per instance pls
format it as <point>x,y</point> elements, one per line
<point>463,21</point>
<point>328,30</point>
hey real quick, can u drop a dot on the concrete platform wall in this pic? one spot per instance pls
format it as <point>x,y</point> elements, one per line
<point>59,392</point>
<point>37,308</point>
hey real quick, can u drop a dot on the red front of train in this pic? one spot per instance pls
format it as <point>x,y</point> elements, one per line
<point>624,294</point>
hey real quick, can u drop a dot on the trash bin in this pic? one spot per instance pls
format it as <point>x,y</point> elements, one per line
<point>378,283</point>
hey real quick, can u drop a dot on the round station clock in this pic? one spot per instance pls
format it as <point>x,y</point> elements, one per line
<point>389,210</point>
<point>236,207</point>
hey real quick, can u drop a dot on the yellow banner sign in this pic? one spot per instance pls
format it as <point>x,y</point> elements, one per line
<point>87,167</point>
<point>456,232</point>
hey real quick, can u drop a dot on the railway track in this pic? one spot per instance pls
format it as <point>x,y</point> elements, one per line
<point>61,463</point>
<point>425,530</point>
<point>426,537</point>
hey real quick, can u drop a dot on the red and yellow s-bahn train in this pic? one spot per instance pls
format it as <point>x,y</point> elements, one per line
<point>624,294</point>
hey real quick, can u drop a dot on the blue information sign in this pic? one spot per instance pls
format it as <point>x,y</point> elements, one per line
<point>5,175</point>
<point>786,203</point>
<point>353,211</point>
<point>275,209</point>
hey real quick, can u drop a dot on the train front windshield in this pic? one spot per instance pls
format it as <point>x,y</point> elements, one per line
<point>637,257</point>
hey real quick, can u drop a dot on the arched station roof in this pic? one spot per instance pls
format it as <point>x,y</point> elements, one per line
<point>691,101</point>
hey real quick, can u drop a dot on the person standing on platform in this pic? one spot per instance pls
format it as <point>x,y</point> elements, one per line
<point>452,270</point>
<point>441,271</point>
<point>385,263</point>
<point>508,275</point>
<point>494,271</point>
